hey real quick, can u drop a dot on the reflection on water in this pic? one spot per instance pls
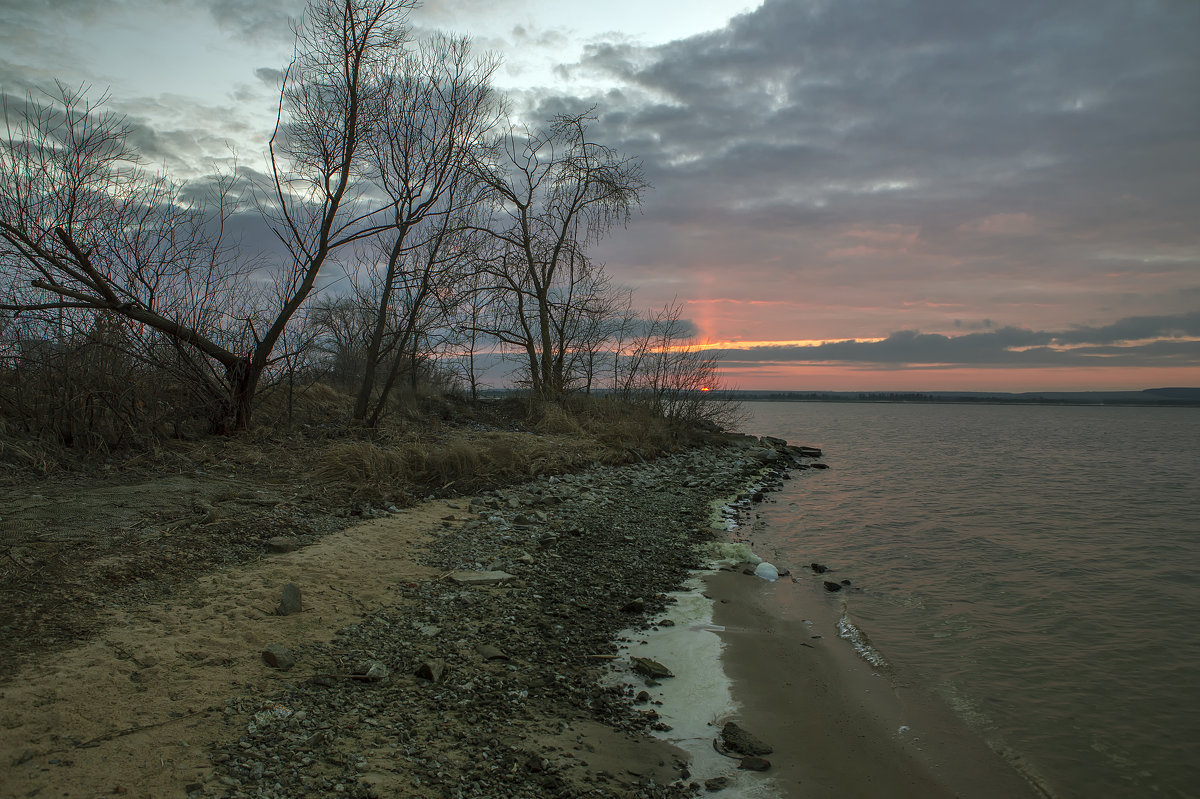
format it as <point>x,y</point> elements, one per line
<point>1036,566</point>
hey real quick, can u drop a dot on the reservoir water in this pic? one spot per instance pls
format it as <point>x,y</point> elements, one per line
<point>1036,568</point>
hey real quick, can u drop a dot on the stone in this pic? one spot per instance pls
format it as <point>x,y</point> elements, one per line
<point>636,606</point>
<point>770,441</point>
<point>715,784</point>
<point>283,543</point>
<point>764,455</point>
<point>480,578</point>
<point>831,586</point>
<point>651,668</point>
<point>372,671</point>
<point>818,568</point>
<point>819,465</point>
<point>754,763</point>
<point>766,571</point>
<point>290,601</point>
<point>278,656</point>
<point>738,740</point>
<point>433,670</point>
<point>489,652</point>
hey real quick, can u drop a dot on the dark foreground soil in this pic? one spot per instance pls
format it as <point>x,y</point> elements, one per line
<point>134,617</point>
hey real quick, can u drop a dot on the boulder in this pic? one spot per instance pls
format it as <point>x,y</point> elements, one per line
<point>433,670</point>
<point>283,543</point>
<point>766,571</point>
<point>289,601</point>
<point>278,656</point>
<point>763,455</point>
<point>651,668</point>
<point>738,740</point>
<point>831,586</point>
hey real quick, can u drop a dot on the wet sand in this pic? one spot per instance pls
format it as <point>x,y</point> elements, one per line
<point>838,725</point>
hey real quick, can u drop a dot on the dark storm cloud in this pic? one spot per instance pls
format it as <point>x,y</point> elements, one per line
<point>270,76</point>
<point>954,117</point>
<point>256,20</point>
<point>1137,341</point>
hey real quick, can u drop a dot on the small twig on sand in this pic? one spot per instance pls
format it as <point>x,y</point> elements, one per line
<point>130,730</point>
<point>120,650</point>
<point>349,596</point>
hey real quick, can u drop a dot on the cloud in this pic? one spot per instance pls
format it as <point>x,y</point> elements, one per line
<point>1022,145</point>
<point>1137,341</point>
<point>257,20</point>
<point>270,76</point>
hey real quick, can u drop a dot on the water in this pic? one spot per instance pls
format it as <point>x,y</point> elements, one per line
<point>1037,568</point>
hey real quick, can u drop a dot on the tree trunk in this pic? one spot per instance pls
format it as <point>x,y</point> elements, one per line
<point>234,408</point>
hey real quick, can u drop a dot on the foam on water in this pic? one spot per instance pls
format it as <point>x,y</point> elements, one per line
<point>858,639</point>
<point>697,700</point>
<point>718,553</point>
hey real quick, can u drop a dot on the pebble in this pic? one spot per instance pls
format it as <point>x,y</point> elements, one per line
<point>513,652</point>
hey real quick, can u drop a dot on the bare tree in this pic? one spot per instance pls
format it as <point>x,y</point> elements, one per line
<point>468,326</point>
<point>343,326</point>
<point>334,99</point>
<point>674,377</point>
<point>86,229</point>
<point>437,110</point>
<point>428,282</point>
<point>553,192</point>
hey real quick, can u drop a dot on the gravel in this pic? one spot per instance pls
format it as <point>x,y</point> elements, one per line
<point>514,659</point>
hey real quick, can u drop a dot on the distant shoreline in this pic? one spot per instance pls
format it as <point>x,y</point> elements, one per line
<point>1157,398</point>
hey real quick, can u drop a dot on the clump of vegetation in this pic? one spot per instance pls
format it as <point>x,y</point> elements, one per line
<point>133,326</point>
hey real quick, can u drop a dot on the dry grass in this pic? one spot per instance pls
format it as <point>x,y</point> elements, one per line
<point>441,445</point>
<point>458,463</point>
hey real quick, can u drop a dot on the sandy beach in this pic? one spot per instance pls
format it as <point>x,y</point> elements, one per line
<point>468,647</point>
<point>838,725</point>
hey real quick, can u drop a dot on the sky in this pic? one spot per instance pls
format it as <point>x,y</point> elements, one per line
<point>848,194</point>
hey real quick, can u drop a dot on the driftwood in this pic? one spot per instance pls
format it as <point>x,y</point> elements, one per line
<point>131,730</point>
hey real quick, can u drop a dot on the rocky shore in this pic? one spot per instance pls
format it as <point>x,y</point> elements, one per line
<point>486,682</point>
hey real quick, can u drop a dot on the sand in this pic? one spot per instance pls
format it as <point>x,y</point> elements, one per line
<point>165,670</point>
<point>137,710</point>
<point>839,726</point>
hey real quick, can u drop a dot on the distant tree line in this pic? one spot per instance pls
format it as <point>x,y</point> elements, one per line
<point>396,173</point>
<point>1164,397</point>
